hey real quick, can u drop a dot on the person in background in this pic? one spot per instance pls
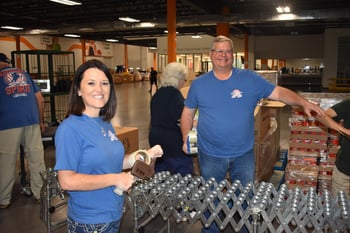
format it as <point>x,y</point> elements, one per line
<point>166,108</point>
<point>89,157</point>
<point>21,123</point>
<point>226,98</point>
<point>340,112</point>
<point>153,79</point>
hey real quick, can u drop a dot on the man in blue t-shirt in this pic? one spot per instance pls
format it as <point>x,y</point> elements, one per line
<point>21,123</point>
<point>226,98</point>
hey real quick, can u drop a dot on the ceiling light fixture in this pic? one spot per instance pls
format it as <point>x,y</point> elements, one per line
<point>11,28</point>
<point>285,9</point>
<point>287,16</point>
<point>279,9</point>
<point>87,29</point>
<point>67,2</point>
<point>112,40</point>
<point>72,35</point>
<point>147,25</point>
<point>40,31</point>
<point>129,20</point>
<point>166,31</point>
<point>196,37</point>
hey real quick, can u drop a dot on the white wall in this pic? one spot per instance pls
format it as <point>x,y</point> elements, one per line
<point>138,57</point>
<point>185,44</point>
<point>72,45</point>
<point>6,46</point>
<point>118,54</point>
<point>189,45</point>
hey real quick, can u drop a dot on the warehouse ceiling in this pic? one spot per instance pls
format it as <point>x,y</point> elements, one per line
<point>98,19</point>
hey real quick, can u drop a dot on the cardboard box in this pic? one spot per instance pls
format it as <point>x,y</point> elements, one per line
<point>303,176</point>
<point>266,154</point>
<point>262,123</point>
<point>129,136</point>
<point>266,116</point>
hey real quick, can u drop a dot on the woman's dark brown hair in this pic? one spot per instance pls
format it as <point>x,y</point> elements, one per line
<point>76,105</point>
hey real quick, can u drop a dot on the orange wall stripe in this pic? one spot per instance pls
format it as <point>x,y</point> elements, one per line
<point>74,46</point>
<point>27,43</point>
<point>32,47</point>
<point>7,38</point>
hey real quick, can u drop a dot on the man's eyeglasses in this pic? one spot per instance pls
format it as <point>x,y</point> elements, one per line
<point>219,51</point>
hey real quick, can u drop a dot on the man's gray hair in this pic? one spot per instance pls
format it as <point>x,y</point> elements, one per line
<point>220,39</point>
<point>173,72</point>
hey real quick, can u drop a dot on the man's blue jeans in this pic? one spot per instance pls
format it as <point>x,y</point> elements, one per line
<point>74,227</point>
<point>240,168</point>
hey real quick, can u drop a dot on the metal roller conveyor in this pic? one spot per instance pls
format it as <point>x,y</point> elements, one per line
<point>52,200</point>
<point>258,208</point>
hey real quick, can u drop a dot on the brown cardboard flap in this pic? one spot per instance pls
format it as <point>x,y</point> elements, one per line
<point>129,136</point>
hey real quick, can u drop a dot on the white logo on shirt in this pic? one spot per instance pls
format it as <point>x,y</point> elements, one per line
<point>112,136</point>
<point>236,94</point>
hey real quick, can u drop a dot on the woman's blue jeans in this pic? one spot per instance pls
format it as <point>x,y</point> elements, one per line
<point>110,227</point>
<point>240,168</point>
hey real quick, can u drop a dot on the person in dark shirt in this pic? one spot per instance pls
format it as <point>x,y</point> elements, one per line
<point>166,108</point>
<point>153,79</point>
<point>341,171</point>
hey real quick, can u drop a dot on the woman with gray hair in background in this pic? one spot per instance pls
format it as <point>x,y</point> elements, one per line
<point>166,108</point>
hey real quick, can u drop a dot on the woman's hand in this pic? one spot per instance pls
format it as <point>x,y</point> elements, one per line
<point>155,152</point>
<point>124,181</point>
<point>144,155</point>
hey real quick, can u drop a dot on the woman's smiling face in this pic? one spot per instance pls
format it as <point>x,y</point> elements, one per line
<point>94,90</point>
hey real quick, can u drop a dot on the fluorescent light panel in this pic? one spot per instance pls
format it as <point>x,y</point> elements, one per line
<point>285,9</point>
<point>87,29</point>
<point>196,37</point>
<point>72,35</point>
<point>11,28</point>
<point>129,20</point>
<point>147,25</point>
<point>67,2</point>
<point>166,31</point>
<point>41,31</point>
<point>112,40</point>
<point>287,16</point>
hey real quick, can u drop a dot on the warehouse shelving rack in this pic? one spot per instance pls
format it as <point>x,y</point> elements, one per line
<point>56,66</point>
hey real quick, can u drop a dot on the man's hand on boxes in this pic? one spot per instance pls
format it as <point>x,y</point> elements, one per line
<point>142,165</point>
<point>329,122</point>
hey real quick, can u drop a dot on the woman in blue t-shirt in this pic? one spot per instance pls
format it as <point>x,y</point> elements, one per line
<point>89,157</point>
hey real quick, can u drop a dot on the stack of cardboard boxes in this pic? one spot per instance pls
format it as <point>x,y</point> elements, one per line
<point>311,153</point>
